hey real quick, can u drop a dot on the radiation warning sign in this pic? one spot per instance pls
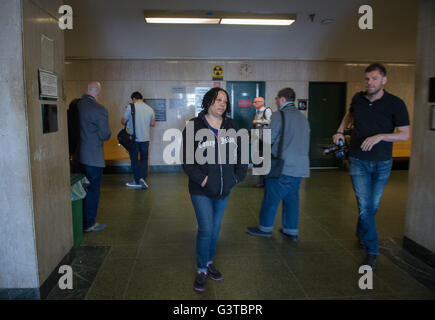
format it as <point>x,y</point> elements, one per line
<point>218,72</point>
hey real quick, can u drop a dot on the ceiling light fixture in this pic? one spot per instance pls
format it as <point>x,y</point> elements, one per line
<point>202,17</point>
<point>258,22</point>
<point>182,20</point>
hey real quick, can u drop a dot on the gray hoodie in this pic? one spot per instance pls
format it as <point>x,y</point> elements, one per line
<point>296,143</point>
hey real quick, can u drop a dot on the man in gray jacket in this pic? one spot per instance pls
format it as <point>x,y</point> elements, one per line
<point>295,149</point>
<point>94,129</point>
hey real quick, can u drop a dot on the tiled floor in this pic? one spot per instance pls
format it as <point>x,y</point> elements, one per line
<point>151,235</point>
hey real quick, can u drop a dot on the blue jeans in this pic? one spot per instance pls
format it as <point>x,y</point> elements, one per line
<point>284,188</point>
<point>209,214</point>
<point>139,167</point>
<point>94,175</point>
<point>369,179</point>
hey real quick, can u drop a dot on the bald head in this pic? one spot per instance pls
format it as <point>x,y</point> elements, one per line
<point>94,89</point>
<point>259,103</point>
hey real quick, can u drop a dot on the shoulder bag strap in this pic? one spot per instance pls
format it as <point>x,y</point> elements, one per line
<point>281,138</point>
<point>133,116</point>
<point>264,113</point>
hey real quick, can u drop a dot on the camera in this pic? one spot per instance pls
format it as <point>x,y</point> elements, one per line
<point>339,150</point>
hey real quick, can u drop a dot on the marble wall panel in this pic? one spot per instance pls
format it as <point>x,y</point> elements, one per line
<point>155,79</point>
<point>420,220</point>
<point>18,257</point>
<point>48,152</point>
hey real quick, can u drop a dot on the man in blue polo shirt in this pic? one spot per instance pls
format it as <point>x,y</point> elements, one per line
<point>379,119</point>
<point>144,119</point>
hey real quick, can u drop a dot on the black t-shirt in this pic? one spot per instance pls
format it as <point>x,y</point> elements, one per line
<point>371,118</point>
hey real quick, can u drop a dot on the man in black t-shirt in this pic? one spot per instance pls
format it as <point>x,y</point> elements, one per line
<point>379,119</point>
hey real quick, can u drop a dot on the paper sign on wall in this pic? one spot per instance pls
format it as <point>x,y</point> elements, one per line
<point>47,84</point>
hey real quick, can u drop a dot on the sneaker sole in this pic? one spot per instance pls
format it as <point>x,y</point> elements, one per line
<point>259,235</point>
<point>215,279</point>
<point>288,237</point>
<point>198,289</point>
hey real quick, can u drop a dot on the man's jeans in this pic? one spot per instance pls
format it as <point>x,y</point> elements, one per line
<point>209,214</point>
<point>94,175</point>
<point>284,188</point>
<point>368,179</point>
<point>139,167</point>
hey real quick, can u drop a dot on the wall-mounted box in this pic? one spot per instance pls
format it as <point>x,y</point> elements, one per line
<point>432,89</point>
<point>49,118</point>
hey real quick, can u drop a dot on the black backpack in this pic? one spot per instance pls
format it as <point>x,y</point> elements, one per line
<point>73,127</point>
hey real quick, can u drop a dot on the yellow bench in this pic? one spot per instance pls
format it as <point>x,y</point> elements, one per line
<point>402,149</point>
<point>114,153</point>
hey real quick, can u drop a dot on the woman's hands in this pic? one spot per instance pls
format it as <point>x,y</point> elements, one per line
<point>204,182</point>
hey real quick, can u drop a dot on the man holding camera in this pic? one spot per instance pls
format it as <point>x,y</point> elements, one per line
<point>379,119</point>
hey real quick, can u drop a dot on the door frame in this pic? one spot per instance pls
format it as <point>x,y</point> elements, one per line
<point>257,92</point>
<point>345,85</point>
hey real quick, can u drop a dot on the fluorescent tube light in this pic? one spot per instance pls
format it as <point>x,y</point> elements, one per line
<point>183,20</point>
<point>258,22</point>
<point>206,17</point>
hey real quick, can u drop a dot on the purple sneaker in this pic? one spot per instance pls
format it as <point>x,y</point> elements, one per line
<point>213,273</point>
<point>200,280</point>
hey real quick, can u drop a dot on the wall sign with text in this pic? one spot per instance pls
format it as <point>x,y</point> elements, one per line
<point>47,85</point>
<point>159,107</point>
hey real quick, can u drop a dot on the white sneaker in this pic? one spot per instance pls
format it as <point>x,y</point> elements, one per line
<point>143,183</point>
<point>133,185</point>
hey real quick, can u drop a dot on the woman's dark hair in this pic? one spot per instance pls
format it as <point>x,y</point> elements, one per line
<point>136,95</point>
<point>210,97</point>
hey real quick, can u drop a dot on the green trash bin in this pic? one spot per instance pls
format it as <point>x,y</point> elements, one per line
<point>78,193</point>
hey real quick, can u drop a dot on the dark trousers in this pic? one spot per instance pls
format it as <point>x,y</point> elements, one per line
<point>94,175</point>
<point>261,179</point>
<point>139,167</point>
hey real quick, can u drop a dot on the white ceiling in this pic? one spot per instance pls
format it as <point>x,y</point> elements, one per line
<point>116,29</point>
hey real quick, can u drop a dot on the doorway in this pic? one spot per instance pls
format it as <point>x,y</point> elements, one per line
<point>327,105</point>
<point>242,95</point>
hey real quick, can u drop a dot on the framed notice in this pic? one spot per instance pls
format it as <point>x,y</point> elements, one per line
<point>48,89</point>
<point>159,107</point>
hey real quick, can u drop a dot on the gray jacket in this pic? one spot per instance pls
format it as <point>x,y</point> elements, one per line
<point>296,143</point>
<point>94,129</point>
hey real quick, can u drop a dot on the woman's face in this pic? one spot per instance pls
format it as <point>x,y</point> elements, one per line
<point>219,106</point>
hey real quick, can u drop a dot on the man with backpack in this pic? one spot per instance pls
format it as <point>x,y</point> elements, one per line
<point>139,117</point>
